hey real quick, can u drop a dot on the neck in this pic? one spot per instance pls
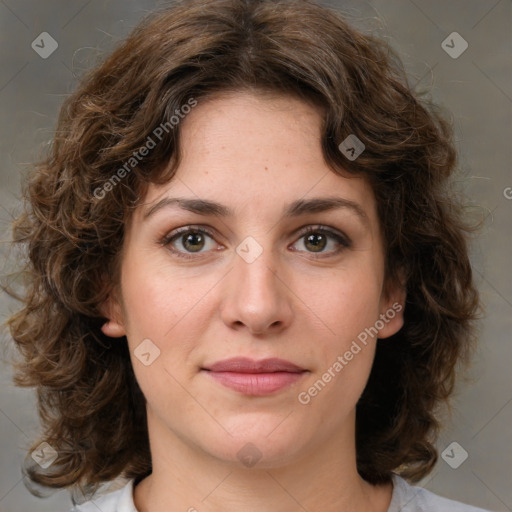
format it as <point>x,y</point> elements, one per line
<point>186,478</point>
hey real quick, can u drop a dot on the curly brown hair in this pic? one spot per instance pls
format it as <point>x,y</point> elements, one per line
<point>91,407</point>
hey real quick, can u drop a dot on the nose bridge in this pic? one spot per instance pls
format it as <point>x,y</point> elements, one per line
<point>255,268</point>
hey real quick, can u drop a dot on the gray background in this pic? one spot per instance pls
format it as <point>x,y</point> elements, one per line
<point>475,87</point>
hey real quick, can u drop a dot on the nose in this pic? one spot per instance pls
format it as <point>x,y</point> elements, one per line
<point>257,296</point>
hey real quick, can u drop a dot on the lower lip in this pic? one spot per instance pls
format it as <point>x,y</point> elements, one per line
<point>256,384</point>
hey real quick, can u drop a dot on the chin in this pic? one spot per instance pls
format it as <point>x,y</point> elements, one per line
<point>259,443</point>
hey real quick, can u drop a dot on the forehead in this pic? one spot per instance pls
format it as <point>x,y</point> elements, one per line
<point>255,152</point>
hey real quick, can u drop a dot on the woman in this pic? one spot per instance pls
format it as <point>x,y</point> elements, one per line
<point>249,286</point>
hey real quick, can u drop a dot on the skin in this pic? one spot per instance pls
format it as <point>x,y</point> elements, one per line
<point>286,303</point>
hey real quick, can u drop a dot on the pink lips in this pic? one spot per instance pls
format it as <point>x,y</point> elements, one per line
<point>255,377</point>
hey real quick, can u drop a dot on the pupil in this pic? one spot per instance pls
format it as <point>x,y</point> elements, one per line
<point>190,239</point>
<point>317,245</point>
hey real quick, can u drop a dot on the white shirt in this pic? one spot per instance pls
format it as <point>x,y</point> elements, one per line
<point>405,498</point>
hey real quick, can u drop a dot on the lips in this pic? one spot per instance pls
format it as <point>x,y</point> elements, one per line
<point>256,378</point>
<point>246,365</point>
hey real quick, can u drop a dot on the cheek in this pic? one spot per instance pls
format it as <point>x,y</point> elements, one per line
<point>169,308</point>
<point>156,299</point>
<point>344,352</point>
<point>346,303</point>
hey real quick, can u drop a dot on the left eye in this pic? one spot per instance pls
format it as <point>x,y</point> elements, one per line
<point>317,239</point>
<point>193,240</point>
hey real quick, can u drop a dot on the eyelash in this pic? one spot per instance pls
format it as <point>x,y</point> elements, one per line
<point>343,241</point>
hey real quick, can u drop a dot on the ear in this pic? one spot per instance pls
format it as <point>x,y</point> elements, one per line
<point>112,310</point>
<point>392,307</point>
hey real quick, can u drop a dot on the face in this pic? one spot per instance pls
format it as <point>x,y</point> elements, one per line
<point>261,276</point>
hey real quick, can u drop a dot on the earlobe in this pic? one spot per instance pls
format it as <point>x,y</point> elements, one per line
<point>114,326</point>
<point>392,313</point>
<point>391,320</point>
<point>113,329</point>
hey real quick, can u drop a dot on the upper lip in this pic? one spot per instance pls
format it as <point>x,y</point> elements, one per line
<point>247,365</point>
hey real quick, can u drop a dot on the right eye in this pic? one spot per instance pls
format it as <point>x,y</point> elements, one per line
<point>191,239</point>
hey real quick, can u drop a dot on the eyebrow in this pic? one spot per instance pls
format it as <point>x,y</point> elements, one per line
<point>294,209</point>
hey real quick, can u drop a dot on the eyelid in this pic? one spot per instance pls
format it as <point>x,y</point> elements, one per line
<point>185,229</point>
